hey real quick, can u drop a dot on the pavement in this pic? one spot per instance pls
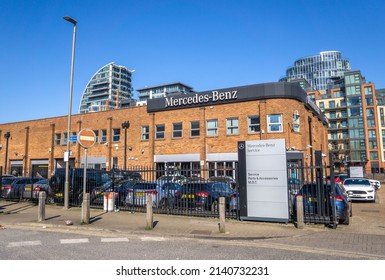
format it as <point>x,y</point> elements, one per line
<point>364,238</point>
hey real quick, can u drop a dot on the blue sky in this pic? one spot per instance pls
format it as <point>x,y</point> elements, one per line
<point>206,44</point>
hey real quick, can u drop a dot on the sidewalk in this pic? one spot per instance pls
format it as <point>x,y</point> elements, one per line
<point>25,214</point>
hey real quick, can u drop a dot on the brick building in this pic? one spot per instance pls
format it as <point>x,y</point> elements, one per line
<point>194,130</point>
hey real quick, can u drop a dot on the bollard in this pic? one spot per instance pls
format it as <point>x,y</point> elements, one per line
<point>41,209</point>
<point>222,209</point>
<point>149,214</point>
<point>300,215</point>
<point>85,218</point>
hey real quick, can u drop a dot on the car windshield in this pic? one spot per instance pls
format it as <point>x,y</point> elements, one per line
<point>357,182</point>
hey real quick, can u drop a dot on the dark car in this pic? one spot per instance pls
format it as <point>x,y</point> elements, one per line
<point>225,179</point>
<point>31,191</point>
<point>119,188</point>
<point>94,178</point>
<point>318,201</point>
<point>14,187</point>
<point>205,196</point>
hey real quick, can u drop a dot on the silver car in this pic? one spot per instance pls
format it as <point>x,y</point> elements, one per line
<point>360,189</point>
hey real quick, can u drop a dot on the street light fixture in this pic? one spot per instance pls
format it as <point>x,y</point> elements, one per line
<point>6,136</point>
<point>67,153</point>
<point>125,125</point>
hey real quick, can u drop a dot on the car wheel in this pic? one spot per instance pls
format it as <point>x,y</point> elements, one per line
<point>163,203</point>
<point>347,220</point>
<point>214,207</point>
<point>50,200</point>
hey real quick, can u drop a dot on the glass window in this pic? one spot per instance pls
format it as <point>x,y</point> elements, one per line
<point>194,129</point>
<point>373,155</point>
<point>65,138</point>
<point>57,139</point>
<point>145,132</point>
<point>159,131</point>
<point>332,104</point>
<point>368,90</point>
<point>103,133</point>
<point>274,123</point>
<point>177,129</point>
<point>232,126</point>
<point>115,134</point>
<point>212,128</point>
<point>97,136</point>
<point>353,112</point>
<point>254,124</point>
<point>369,101</point>
<point>372,133</point>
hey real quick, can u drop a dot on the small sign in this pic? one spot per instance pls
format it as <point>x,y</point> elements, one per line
<point>86,138</point>
<point>73,138</point>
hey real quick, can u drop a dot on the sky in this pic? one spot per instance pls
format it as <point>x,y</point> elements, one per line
<point>206,44</point>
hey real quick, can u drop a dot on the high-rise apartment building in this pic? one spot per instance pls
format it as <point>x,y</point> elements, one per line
<point>354,122</point>
<point>108,88</point>
<point>318,70</point>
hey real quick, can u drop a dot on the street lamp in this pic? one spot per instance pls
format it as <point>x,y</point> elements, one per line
<point>67,153</point>
<point>125,125</point>
<point>6,136</point>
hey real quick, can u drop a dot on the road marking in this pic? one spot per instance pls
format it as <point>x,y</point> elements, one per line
<point>74,241</point>
<point>148,238</point>
<point>24,243</point>
<point>117,239</point>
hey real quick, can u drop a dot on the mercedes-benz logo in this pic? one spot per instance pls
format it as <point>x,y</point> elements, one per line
<point>241,146</point>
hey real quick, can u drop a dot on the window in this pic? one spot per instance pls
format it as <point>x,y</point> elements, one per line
<point>115,134</point>
<point>97,136</point>
<point>194,129</point>
<point>103,133</point>
<point>274,123</point>
<point>57,139</point>
<point>159,131</point>
<point>321,105</point>
<point>373,156</point>
<point>212,128</point>
<point>145,132</point>
<point>296,122</point>
<point>232,126</point>
<point>332,104</point>
<point>368,90</point>
<point>254,124</point>
<point>177,130</point>
<point>65,138</point>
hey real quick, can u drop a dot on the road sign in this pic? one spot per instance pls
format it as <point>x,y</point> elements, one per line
<point>86,138</point>
<point>73,138</point>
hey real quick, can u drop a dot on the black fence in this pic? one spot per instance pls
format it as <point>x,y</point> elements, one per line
<point>316,185</point>
<point>190,192</point>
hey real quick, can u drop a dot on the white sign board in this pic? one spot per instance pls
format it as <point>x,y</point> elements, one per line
<point>356,171</point>
<point>266,180</point>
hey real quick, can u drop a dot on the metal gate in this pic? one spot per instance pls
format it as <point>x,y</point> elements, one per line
<point>317,187</point>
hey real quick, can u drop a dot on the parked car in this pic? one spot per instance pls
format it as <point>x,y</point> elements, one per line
<point>320,202</point>
<point>340,177</point>
<point>137,195</point>
<point>205,196</point>
<point>120,189</point>
<point>15,187</point>
<point>226,179</point>
<point>119,174</point>
<point>31,191</point>
<point>360,189</point>
<point>95,178</point>
<point>167,194</point>
<point>180,179</point>
<point>375,183</point>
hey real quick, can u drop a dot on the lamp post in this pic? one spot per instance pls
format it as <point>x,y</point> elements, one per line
<point>125,125</point>
<point>6,136</point>
<point>67,153</point>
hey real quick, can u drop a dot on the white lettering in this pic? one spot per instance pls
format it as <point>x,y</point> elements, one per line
<point>199,99</point>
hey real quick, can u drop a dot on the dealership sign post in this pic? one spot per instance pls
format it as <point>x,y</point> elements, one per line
<point>263,180</point>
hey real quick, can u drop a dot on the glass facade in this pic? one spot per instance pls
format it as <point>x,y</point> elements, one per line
<point>318,70</point>
<point>108,87</point>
